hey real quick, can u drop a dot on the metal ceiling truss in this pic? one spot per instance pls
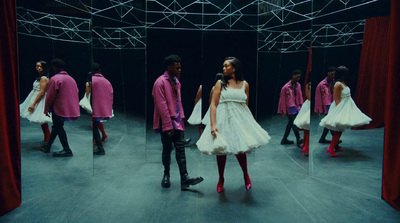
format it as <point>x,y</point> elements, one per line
<point>284,41</point>
<point>270,18</point>
<point>338,34</point>
<point>55,27</point>
<point>119,38</point>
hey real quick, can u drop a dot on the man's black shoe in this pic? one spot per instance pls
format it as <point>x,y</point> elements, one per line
<point>187,181</point>
<point>286,142</point>
<point>63,153</point>
<point>99,151</point>
<point>299,142</point>
<point>324,141</point>
<point>165,183</point>
<point>45,147</point>
<point>187,141</point>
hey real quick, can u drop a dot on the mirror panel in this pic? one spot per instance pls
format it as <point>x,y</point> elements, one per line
<point>42,35</point>
<point>338,32</point>
<point>119,46</point>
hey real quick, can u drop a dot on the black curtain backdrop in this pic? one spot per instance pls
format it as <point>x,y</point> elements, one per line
<point>391,159</point>
<point>10,148</point>
<point>373,70</point>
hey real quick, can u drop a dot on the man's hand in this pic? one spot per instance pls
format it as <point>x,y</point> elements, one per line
<point>170,132</point>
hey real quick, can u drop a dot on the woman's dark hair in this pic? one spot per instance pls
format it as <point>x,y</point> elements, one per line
<point>89,77</point>
<point>342,74</point>
<point>218,77</point>
<point>238,71</point>
<point>171,60</point>
<point>45,69</point>
<point>58,63</point>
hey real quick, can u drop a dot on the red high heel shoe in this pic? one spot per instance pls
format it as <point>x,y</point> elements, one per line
<point>247,182</point>
<point>220,186</point>
<point>305,150</point>
<point>104,138</point>
<point>338,149</point>
<point>331,152</point>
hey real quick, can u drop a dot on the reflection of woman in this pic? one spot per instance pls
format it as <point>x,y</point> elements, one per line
<point>233,129</point>
<point>85,101</point>
<point>195,117</point>
<point>33,106</point>
<point>343,113</point>
<point>206,119</point>
<point>302,120</point>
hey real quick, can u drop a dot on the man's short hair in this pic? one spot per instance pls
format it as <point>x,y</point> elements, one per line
<point>95,67</point>
<point>57,63</point>
<point>171,60</point>
<point>331,69</point>
<point>297,71</point>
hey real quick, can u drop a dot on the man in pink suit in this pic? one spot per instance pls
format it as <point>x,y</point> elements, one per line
<point>102,102</point>
<point>168,121</point>
<point>324,98</point>
<point>290,102</point>
<point>62,101</point>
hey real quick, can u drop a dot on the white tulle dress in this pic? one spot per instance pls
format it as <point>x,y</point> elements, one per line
<point>302,120</point>
<point>238,132</point>
<point>345,115</point>
<point>85,103</point>
<point>37,116</point>
<point>206,118</point>
<point>195,117</point>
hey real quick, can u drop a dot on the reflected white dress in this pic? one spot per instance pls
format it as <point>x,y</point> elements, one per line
<point>206,118</point>
<point>302,119</point>
<point>195,117</point>
<point>345,115</point>
<point>37,116</point>
<point>238,132</point>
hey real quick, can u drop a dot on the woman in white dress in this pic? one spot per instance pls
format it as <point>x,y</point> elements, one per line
<point>232,128</point>
<point>206,119</point>
<point>195,117</point>
<point>343,113</point>
<point>302,120</point>
<point>33,106</point>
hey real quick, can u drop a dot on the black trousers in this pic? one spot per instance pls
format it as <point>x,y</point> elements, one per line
<point>169,142</point>
<point>325,132</point>
<point>96,134</point>
<point>57,129</point>
<point>290,125</point>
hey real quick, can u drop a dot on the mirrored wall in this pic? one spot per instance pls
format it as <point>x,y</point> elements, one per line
<point>338,37</point>
<point>45,32</point>
<point>130,40</point>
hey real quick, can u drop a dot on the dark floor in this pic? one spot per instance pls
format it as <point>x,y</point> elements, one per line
<point>124,185</point>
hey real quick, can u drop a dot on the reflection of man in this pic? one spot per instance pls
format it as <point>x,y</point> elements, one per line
<point>290,102</point>
<point>62,101</point>
<point>168,120</point>
<point>324,98</point>
<point>102,101</point>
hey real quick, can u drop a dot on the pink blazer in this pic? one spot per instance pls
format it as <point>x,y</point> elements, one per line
<point>102,96</point>
<point>323,97</point>
<point>288,99</point>
<point>165,104</point>
<point>62,95</point>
